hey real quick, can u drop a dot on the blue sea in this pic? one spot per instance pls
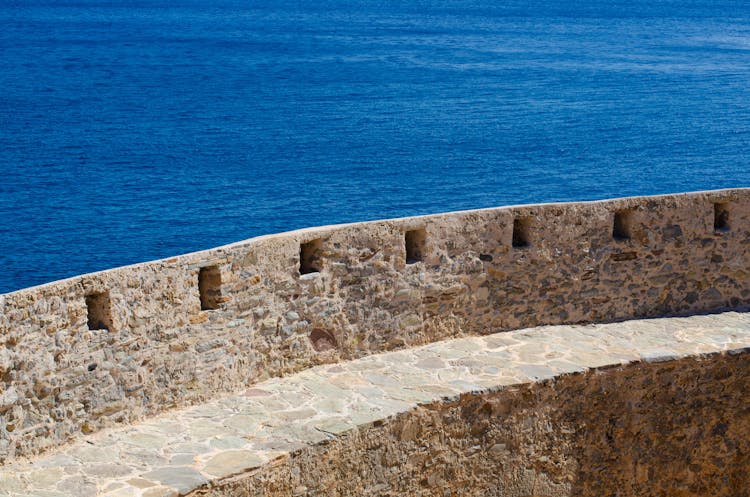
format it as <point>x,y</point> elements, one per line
<point>137,130</point>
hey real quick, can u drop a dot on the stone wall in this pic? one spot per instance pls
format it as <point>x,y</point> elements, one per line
<point>112,347</point>
<point>679,428</point>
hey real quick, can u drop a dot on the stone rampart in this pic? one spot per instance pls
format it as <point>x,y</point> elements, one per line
<point>652,407</point>
<point>666,429</point>
<point>113,347</point>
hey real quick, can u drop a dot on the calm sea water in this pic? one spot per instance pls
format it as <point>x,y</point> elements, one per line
<point>133,130</point>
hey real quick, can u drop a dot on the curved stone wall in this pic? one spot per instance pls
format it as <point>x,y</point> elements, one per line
<point>115,346</point>
<point>671,429</point>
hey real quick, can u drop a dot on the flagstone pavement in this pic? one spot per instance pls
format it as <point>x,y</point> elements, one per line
<point>181,450</point>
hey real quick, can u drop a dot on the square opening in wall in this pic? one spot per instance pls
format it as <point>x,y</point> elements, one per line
<point>309,257</point>
<point>521,229</point>
<point>99,311</point>
<point>209,286</point>
<point>721,216</point>
<point>415,245</point>
<point>622,228</point>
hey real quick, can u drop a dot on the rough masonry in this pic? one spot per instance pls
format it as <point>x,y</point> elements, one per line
<point>639,408</point>
<point>114,347</point>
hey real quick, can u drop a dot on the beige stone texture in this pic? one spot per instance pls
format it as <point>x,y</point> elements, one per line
<point>149,342</point>
<point>633,408</point>
<point>673,429</point>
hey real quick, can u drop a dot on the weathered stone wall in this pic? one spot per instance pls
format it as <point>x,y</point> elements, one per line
<point>366,288</point>
<point>679,428</point>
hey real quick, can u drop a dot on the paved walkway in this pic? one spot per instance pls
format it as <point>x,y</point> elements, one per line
<point>183,449</point>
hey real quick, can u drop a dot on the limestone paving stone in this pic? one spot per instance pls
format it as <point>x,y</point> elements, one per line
<point>182,478</point>
<point>182,450</point>
<point>231,462</point>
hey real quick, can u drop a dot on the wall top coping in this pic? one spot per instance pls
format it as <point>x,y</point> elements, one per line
<point>191,257</point>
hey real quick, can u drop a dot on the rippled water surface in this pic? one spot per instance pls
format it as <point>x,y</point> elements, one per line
<point>133,130</point>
